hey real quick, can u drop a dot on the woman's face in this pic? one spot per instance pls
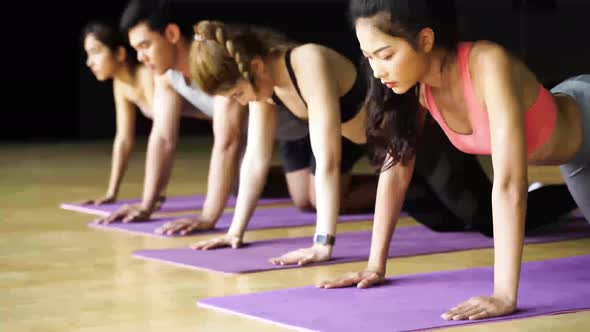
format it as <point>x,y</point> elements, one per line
<point>100,59</point>
<point>244,92</point>
<point>393,60</point>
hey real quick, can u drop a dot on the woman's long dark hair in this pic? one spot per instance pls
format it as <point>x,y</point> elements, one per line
<point>392,119</point>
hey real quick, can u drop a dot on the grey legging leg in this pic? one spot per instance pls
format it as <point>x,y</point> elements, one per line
<point>576,172</point>
<point>578,183</point>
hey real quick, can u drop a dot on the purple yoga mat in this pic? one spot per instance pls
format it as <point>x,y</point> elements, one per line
<point>262,218</point>
<point>414,302</point>
<point>172,204</point>
<point>350,247</point>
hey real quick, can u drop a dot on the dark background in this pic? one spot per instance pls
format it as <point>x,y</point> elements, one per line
<point>49,94</point>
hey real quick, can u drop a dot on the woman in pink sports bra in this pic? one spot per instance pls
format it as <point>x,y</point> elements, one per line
<point>487,102</point>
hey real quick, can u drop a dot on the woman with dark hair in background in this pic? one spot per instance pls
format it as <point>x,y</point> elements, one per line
<point>487,102</point>
<point>109,57</point>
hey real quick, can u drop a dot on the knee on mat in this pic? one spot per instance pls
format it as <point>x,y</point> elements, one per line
<point>304,205</point>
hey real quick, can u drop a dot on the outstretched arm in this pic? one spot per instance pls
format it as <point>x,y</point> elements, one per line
<point>391,192</point>
<point>257,159</point>
<point>228,118</point>
<point>225,156</point>
<point>160,152</point>
<point>122,146</point>
<point>509,158</point>
<point>319,88</point>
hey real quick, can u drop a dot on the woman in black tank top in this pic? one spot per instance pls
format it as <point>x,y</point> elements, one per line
<point>350,103</point>
<point>315,85</point>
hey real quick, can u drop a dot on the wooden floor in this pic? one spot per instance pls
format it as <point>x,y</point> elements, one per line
<point>56,274</point>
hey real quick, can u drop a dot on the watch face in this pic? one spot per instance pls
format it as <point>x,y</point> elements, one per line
<point>320,239</point>
<point>323,239</point>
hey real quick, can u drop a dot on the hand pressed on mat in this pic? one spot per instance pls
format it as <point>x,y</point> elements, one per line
<point>314,254</point>
<point>363,279</point>
<point>126,214</point>
<point>101,200</point>
<point>227,240</point>
<point>185,226</point>
<point>131,213</point>
<point>481,307</point>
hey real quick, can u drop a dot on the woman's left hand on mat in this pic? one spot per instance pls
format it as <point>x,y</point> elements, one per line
<point>126,213</point>
<point>185,226</point>
<point>314,254</point>
<point>219,242</point>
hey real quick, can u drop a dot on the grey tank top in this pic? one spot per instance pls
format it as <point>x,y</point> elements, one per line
<point>289,128</point>
<point>195,96</point>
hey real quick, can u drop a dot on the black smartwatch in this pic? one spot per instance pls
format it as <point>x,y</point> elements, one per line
<point>324,239</point>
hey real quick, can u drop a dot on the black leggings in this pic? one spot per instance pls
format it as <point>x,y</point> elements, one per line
<point>451,192</point>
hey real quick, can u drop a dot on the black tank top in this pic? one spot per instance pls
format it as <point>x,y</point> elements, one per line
<point>350,103</point>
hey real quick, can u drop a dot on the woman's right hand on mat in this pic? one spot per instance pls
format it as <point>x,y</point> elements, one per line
<point>102,200</point>
<point>227,240</point>
<point>185,226</point>
<point>126,213</point>
<point>361,279</point>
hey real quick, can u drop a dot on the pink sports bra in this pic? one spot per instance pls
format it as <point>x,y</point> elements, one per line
<point>539,119</point>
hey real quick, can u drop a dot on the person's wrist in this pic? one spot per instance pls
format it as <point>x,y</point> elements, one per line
<point>236,235</point>
<point>146,208</point>
<point>376,267</point>
<point>324,243</point>
<point>207,218</point>
<point>324,239</point>
<point>506,296</point>
<point>325,250</point>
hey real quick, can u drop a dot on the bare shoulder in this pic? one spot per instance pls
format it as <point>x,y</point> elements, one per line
<point>162,82</point>
<point>321,62</point>
<point>489,61</point>
<point>313,51</point>
<point>486,55</point>
<point>120,91</point>
<point>490,65</point>
<point>309,54</point>
<point>144,75</point>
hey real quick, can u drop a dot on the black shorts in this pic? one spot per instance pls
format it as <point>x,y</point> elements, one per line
<point>297,155</point>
